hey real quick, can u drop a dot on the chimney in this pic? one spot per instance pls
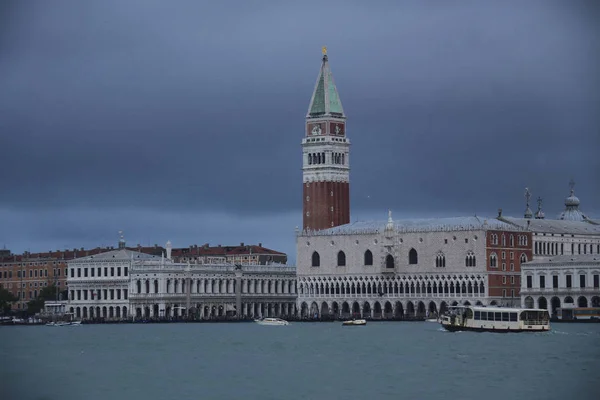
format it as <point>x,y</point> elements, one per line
<point>219,245</point>
<point>499,213</point>
<point>259,244</point>
<point>242,244</point>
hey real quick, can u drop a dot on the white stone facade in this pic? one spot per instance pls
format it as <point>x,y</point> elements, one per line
<point>558,281</point>
<point>163,289</point>
<point>558,237</point>
<point>396,285</point>
<point>335,163</point>
<point>98,285</point>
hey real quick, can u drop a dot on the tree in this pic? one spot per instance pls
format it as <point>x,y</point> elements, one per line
<point>6,300</point>
<point>46,294</point>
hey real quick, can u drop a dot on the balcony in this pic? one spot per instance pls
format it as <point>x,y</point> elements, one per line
<point>562,291</point>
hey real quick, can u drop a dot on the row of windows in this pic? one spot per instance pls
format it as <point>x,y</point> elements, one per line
<point>495,316</point>
<point>568,281</point>
<point>522,240</point>
<point>413,258</point>
<point>512,280</point>
<point>494,259</point>
<point>98,294</point>
<point>97,272</point>
<point>552,248</point>
<point>319,158</point>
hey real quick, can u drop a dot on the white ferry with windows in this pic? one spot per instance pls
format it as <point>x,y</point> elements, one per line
<point>495,319</point>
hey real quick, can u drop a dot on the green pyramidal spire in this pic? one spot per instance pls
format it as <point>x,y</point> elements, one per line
<point>325,100</point>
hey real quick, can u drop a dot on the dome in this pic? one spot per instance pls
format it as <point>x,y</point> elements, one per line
<point>572,200</point>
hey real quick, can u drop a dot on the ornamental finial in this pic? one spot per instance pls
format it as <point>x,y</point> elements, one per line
<point>572,186</point>
<point>324,50</point>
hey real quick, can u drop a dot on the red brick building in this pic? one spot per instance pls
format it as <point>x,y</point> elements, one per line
<point>325,153</point>
<point>505,252</point>
<point>243,254</point>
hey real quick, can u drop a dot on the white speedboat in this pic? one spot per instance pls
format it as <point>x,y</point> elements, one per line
<point>271,321</point>
<point>355,322</point>
<point>432,320</point>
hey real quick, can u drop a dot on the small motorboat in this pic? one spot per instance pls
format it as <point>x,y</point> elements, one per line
<point>354,322</point>
<point>271,321</point>
<point>432,320</point>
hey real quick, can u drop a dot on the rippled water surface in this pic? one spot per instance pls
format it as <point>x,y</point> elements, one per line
<point>387,360</point>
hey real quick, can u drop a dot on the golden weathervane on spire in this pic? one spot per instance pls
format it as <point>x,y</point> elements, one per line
<point>324,50</point>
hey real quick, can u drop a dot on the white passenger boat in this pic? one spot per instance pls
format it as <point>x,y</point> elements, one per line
<point>271,321</point>
<point>355,322</point>
<point>496,319</point>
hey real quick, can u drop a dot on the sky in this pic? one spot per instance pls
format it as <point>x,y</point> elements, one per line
<point>183,120</point>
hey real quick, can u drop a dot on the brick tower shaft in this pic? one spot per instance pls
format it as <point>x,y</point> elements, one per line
<point>325,157</point>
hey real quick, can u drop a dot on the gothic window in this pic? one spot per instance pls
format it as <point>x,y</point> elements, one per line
<point>316,259</point>
<point>341,259</point>
<point>523,258</point>
<point>524,240</point>
<point>389,261</point>
<point>493,260</point>
<point>440,260</point>
<point>413,257</point>
<point>503,241</point>
<point>368,257</point>
<point>512,241</point>
<point>470,260</point>
<point>309,159</point>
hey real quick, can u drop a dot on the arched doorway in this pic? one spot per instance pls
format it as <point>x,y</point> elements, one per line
<point>335,309</point>
<point>388,311</point>
<point>398,310</point>
<point>304,310</point>
<point>596,301</point>
<point>443,307</point>
<point>529,302</point>
<point>420,309</point>
<point>554,302</point>
<point>582,302</point>
<point>410,309</point>
<point>366,310</point>
<point>377,310</point>
<point>325,310</point>
<point>356,310</point>
<point>345,310</point>
<point>314,310</point>
<point>432,309</point>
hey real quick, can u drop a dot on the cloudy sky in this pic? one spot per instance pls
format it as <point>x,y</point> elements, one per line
<point>182,120</point>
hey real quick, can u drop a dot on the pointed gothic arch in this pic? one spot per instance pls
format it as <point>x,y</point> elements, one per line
<point>341,259</point>
<point>413,257</point>
<point>368,257</point>
<point>389,261</point>
<point>316,259</point>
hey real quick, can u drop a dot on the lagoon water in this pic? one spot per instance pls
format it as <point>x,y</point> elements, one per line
<point>385,360</point>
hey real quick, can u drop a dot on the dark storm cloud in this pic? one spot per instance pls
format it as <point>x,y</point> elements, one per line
<point>199,106</point>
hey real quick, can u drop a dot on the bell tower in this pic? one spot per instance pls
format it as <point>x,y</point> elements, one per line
<point>325,157</point>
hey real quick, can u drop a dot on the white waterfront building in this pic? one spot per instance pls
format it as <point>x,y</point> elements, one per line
<point>561,281</point>
<point>572,233</point>
<point>395,269</point>
<point>164,289</point>
<point>98,285</point>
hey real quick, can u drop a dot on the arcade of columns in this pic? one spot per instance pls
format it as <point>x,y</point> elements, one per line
<point>265,291</point>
